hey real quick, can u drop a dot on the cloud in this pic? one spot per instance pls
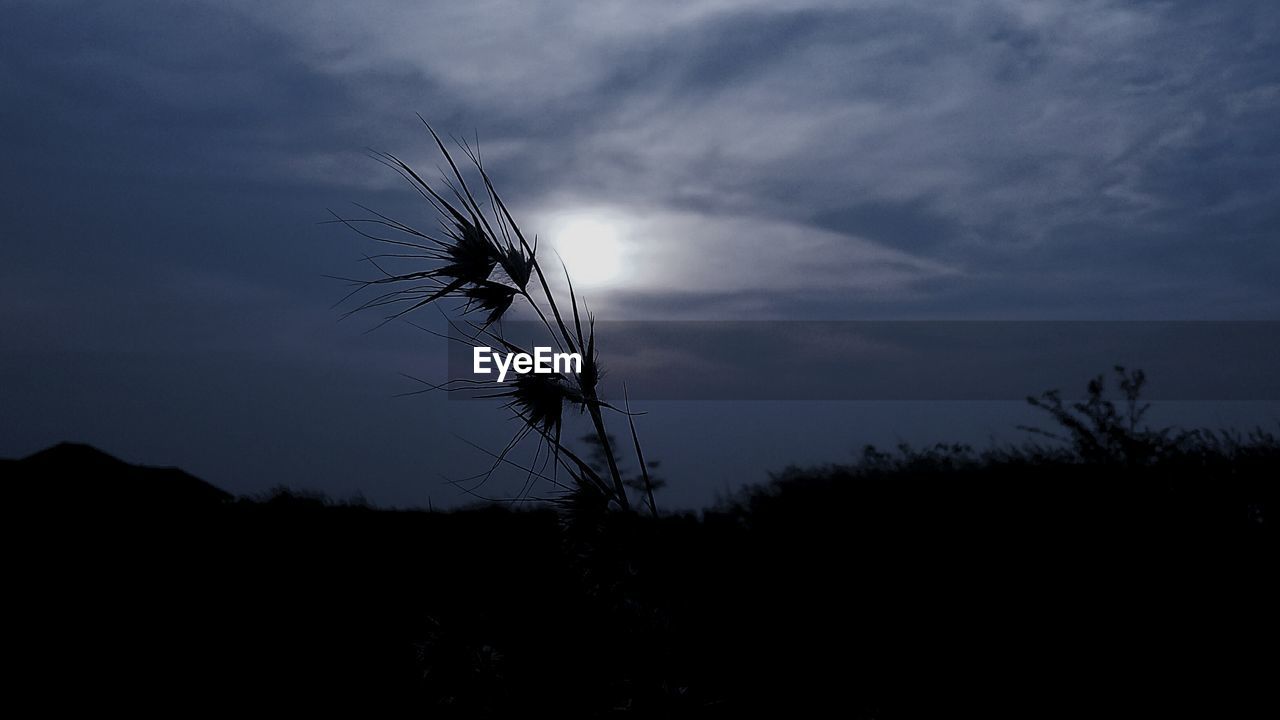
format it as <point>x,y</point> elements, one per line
<point>1005,125</point>
<point>166,162</point>
<point>976,144</point>
<point>735,255</point>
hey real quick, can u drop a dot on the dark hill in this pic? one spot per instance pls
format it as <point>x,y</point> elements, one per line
<point>78,476</point>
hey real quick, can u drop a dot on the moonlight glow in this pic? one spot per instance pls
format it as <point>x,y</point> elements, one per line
<point>591,248</point>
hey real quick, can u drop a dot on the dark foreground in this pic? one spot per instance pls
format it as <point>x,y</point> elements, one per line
<point>919,585</point>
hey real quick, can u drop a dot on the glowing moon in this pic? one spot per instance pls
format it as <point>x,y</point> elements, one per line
<point>591,248</point>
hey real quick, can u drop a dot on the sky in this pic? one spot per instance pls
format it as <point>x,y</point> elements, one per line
<point>168,165</point>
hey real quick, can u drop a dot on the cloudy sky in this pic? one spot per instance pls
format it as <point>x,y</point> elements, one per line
<point>166,165</point>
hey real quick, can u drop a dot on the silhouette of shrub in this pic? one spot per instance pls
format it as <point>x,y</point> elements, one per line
<point>1099,430</point>
<point>1103,571</point>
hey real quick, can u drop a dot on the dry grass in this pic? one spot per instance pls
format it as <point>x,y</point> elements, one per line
<point>479,256</point>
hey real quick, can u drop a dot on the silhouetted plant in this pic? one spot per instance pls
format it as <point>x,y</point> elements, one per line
<point>838,587</point>
<point>481,257</point>
<point>644,482</point>
<point>1098,429</point>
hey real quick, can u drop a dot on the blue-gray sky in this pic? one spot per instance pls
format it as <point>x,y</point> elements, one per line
<point>165,165</point>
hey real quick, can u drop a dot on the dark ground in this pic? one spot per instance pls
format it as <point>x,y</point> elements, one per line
<point>921,584</point>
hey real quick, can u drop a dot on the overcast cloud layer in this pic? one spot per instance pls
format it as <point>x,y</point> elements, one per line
<point>165,163</point>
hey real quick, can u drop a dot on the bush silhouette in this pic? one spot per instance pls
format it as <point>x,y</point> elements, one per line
<point>1109,573</point>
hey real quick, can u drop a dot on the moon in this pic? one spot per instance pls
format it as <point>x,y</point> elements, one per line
<point>591,248</point>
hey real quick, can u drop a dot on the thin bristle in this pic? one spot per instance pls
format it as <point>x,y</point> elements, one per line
<point>481,256</point>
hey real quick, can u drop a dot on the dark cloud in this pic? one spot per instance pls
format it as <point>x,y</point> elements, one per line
<point>166,164</point>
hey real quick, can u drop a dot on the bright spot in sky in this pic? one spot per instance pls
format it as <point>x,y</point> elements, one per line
<point>591,248</point>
